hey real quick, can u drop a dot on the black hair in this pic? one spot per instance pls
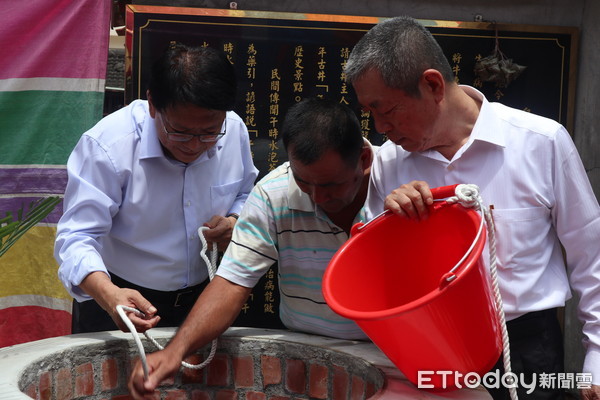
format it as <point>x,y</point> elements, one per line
<point>201,76</point>
<point>400,49</point>
<point>316,125</point>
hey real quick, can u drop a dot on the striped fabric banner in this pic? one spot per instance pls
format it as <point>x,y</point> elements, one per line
<point>52,73</point>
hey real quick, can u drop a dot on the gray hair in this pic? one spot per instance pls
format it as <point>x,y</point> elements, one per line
<point>400,49</point>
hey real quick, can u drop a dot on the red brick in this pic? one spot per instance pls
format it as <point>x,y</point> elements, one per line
<point>31,391</point>
<point>271,370</point>
<point>243,371</point>
<point>226,395</point>
<point>110,374</point>
<point>256,396</point>
<point>317,383</point>
<point>340,383</point>
<point>358,388</point>
<point>45,388</point>
<point>200,395</point>
<point>295,376</point>
<point>84,380</point>
<point>189,375</point>
<point>176,394</point>
<point>371,390</point>
<point>218,371</point>
<point>63,382</point>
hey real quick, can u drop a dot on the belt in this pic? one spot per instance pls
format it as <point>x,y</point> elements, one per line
<point>174,298</point>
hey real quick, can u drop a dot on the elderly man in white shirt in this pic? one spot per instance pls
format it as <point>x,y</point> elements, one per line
<point>141,183</point>
<point>526,167</point>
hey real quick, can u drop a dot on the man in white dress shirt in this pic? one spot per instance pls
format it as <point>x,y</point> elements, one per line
<point>526,166</point>
<point>141,183</point>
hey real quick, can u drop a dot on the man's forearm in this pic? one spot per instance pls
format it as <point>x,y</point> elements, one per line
<point>214,311</point>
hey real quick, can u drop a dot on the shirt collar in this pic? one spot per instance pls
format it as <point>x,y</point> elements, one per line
<point>485,128</point>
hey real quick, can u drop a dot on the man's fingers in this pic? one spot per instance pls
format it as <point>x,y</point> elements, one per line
<point>410,200</point>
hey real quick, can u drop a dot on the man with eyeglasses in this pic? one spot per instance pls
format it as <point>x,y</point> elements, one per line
<point>140,184</point>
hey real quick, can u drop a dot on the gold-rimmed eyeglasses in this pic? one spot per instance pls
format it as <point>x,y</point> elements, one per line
<point>186,137</point>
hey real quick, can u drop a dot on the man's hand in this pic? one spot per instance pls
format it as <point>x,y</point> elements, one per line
<point>109,296</point>
<point>131,298</point>
<point>592,393</point>
<point>220,229</point>
<point>161,365</point>
<point>410,200</point>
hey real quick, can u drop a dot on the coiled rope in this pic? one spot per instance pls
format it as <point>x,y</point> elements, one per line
<point>211,265</point>
<point>468,196</point>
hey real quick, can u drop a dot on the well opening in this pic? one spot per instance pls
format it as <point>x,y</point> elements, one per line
<point>243,368</point>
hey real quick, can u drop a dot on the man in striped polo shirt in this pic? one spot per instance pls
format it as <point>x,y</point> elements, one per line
<point>298,215</point>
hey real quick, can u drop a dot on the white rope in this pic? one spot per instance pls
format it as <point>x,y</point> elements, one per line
<point>468,196</point>
<point>211,265</point>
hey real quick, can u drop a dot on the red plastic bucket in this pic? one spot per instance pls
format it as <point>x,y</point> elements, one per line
<point>392,278</point>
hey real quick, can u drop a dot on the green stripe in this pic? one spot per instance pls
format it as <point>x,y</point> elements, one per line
<point>300,277</point>
<point>42,127</point>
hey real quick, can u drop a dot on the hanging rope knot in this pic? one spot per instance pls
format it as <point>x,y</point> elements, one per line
<point>467,195</point>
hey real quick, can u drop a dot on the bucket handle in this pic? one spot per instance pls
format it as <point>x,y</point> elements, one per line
<point>439,193</point>
<point>449,276</point>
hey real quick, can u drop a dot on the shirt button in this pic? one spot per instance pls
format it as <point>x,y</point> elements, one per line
<point>188,203</point>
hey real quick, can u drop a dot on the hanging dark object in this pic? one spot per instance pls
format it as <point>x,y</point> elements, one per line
<point>497,67</point>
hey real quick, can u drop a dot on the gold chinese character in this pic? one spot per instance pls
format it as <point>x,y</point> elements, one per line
<point>269,308</point>
<point>298,51</point>
<point>228,47</point>
<point>274,97</point>
<point>269,297</point>
<point>250,120</point>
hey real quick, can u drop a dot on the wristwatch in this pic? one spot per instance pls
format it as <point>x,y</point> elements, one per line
<point>234,215</point>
